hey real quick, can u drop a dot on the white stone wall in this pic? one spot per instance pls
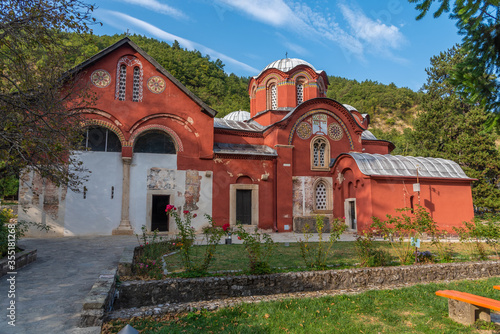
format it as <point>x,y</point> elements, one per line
<point>100,211</point>
<point>96,211</point>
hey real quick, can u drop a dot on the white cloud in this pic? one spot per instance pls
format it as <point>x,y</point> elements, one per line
<point>272,12</point>
<point>374,33</point>
<point>299,18</point>
<point>158,7</point>
<point>361,34</point>
<point>121,21</point>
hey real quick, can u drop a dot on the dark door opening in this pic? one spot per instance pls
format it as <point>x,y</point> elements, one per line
<point>244,206</point>
<point>159,218</point>
<point>352,209</point>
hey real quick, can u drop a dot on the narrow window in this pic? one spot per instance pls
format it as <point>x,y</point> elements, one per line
<point>320,153</point>
<point>274,97</point>
<point>123,80</point>
<point>300,93</point>
<point>137,83</point>
<point>321,200</point>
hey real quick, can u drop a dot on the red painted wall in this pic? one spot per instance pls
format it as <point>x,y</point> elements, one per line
<point>448,200</point>
<point>227,171</point>
<point>171,108</point>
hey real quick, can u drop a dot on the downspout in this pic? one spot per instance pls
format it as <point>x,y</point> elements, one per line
<point>275,195</point>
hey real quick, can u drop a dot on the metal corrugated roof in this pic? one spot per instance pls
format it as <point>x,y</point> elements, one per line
<point>398,165</point>
<point>349,107</point>
<point>221,123</point>
<point>244,149</point>
<point>367,135</point>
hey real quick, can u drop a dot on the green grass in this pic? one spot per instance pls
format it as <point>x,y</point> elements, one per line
<point>414,309</point>
<point>234,257</point>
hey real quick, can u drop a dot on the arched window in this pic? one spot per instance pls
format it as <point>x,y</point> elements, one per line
<point>99,139</point>
<point>321,87</point>
<point>121,78</point>
<point>122,83</point>
<point>321,196</point>
<point>155,142</point>
<point>320,153</point>
<point>254,92</point>
<point>272,96</point>
<point>137,83</point>
<point>300,93</point>
<point>299,89</point>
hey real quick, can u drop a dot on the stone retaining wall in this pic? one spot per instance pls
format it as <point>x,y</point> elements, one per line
<point>22,259</point>
<point>177,290</point>
<point>99,300</point>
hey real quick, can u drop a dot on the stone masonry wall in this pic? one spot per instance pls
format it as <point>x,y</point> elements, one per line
<point>144,293</point>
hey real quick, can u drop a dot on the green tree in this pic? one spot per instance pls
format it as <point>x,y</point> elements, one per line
<point>479,22</point>
<point>451,128</point>
<point>38,128</point>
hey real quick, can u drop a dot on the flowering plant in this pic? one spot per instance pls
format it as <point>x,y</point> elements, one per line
<point>315,256</point>
<point>259,247</point>
<point>187,235</point>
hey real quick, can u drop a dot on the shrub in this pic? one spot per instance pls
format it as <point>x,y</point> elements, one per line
<point>8,223</point>
<point>471,236</point>
<point>399,230</point>
<point>315,256</point>
<point>150,259</point>
<point>259,247</point>
<point>368,254</point>
<point>212,235</point>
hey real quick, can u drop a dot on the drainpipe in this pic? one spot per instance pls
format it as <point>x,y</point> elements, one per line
<point>275,195</point>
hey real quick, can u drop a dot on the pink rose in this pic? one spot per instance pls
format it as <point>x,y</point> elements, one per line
<point>225,227</point>
<point>169,207</point>
<point>185,212</point>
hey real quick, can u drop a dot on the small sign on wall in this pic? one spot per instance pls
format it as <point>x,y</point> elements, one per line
<point>416,187</point>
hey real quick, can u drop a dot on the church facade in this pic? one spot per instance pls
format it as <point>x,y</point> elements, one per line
<point>150,142</point>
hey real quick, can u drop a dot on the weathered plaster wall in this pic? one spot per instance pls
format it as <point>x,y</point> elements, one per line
<point>156,174</point>
<point>304,201</point>
<point>40,201</point>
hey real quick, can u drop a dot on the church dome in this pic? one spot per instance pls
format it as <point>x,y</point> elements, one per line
<point>239,115</point>
<point>287,64</point>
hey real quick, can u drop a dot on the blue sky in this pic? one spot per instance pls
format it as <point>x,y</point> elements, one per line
<point>375,40</point>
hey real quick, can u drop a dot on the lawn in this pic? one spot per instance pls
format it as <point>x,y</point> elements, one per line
<point>343,255</point>
<point>414,309</point>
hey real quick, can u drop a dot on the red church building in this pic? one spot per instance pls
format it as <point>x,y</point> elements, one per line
<point>150,142</point>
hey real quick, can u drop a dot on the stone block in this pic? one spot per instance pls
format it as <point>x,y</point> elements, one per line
<point>299,224</point>
<point>466,313</point>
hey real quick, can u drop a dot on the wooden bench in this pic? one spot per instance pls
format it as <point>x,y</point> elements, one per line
<point>466,308</point>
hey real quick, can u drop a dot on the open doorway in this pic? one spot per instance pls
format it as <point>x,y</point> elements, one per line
<point>159,218</point>
<point>350,214</point>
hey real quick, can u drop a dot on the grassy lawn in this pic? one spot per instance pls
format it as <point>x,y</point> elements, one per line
<point>234,257</point>
<point>410,310</point>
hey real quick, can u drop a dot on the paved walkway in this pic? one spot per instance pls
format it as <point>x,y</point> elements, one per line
<point>50,291</point>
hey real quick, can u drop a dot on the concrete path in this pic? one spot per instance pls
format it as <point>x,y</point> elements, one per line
<point>50,291</point>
